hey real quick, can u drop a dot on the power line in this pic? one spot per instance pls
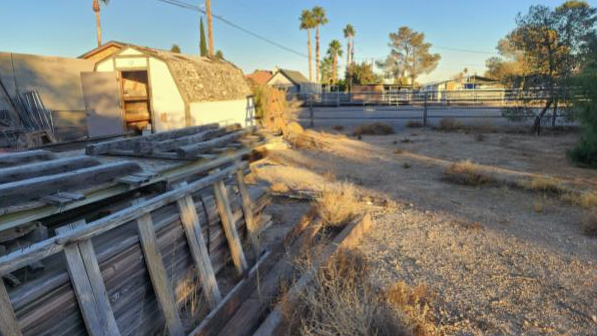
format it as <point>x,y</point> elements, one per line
<point>466,50</point>
<point>188,6</point>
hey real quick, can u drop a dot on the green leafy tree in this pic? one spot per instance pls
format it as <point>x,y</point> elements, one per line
<point>335,51</point>
<point>411,53</point>
<point>96,9</point>
<point>363,74</point>
<point>326,69</point>
<point>393,69</point>
<point>552,44</point>
<point>202,42</point>
<point>175,49</point>
<point>308,22</point>
<point>219,55</point>
<point>321,20</point>
<point>585,151</point>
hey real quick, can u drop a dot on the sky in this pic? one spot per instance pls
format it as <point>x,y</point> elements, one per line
<point>67,28</point>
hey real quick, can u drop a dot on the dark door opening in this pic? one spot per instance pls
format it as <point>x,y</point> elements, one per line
<point>135,96</point>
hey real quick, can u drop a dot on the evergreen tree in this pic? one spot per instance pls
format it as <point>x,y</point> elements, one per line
<point>202,42</point>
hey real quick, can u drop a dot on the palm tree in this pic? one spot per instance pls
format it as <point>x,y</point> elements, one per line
<point>320,20</point>
<point>307,23</point>
<point>349,35</point>
<point>335,50</point>
<point>96,9</point>
<point>210,37</point>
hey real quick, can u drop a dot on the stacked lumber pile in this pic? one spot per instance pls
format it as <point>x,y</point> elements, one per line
<point>198,142</point>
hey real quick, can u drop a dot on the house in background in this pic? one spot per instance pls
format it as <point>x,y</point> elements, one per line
<point>259,77</point>
<point>160,90</point>
<point>293,82</point>
<point>458,87</point>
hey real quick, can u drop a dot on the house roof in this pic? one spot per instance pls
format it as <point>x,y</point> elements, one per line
<point>260,77</point>
<point>294,76</point>
<point>103,47</point>
<point>202,79</point>
<point>465,79</point>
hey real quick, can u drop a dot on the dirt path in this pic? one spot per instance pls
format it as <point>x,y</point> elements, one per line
<point>500,261</point>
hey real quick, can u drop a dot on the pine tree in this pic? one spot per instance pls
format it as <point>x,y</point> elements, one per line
<point>202,43</point>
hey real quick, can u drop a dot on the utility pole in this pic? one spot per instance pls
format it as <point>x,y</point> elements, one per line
<point>210,37</point>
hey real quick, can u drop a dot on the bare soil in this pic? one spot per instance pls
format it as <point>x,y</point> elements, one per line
<point>499,261</point>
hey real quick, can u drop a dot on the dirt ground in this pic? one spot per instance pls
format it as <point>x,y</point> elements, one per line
<point>497,260</point>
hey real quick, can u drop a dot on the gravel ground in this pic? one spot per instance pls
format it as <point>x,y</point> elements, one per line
<point>498,261</point>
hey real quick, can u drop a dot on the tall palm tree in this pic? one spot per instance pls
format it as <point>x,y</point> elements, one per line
<point>210,37</point>
<point>320,19</point>
<point>307,23</point>
<point>96,9</point>
<point>335,51</point>
<point>349,35</point>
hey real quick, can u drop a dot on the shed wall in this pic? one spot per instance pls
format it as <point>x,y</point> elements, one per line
<point>168,108</point>
<point>224,112</point>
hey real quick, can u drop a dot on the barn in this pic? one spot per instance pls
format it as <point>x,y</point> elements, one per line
<point>161,90</point>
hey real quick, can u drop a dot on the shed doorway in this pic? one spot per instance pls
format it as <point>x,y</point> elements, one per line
<point>136,100</point>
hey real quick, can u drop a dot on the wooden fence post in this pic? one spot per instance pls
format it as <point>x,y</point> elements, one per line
<point>425,110</point>
<point>247,206</point>
<point>312,123</point>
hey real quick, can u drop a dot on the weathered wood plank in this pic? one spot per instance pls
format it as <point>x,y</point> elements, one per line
<point>48,247</point>
<point>34,188</point>
<point>171,144</point>
<point>247,206</point>
<point>206,146</point>
<point>236,250</point>
<point>89,286</point>
<point>19,158</point>
<point>158,275</point>
<point>100,148</point>
<point>348,237</point>
<point>26,171</point>
<point>198,249</point>
<point>9,325</point>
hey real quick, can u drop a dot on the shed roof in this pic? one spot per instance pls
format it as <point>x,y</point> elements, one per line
<point>295,77</point>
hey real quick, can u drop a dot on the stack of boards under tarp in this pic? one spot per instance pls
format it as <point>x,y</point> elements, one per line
<point>145,257</point>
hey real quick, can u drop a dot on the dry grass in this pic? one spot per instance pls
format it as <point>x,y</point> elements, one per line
<point>480,137</point>
<point>338,128</point>
<point>376,128</point>
<point>467,173</point>
<point>449,125</point>
<point>589,224</point>
<point>546,184</point>
<point>414,124</point>
<point>340,302</point>
<point>337,204</point>
<point>587,199</point>
<point>307,140</point>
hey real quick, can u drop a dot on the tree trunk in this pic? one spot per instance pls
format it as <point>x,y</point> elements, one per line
<point>210,37</point>
<point>554,116</point>
<point>317,54</point>
<point>537,123</point>
<point>335,68</point>
<point>96,9</point>
<point>309,51</point>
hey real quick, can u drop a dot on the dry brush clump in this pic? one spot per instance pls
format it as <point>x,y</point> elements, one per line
<point>545,184</point>
<point>449,125</point>
<point>466,172</point>
<point>376,128</point>
<point>340,301</point>
<point>337,204</point>
<point>414,124</point>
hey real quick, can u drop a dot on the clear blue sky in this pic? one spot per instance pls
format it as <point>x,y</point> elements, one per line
<point>67,28</point>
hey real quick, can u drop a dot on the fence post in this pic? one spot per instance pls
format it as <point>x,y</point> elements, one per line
<point>337,98</point>
<point>312,123</point>
<point>425,110</point>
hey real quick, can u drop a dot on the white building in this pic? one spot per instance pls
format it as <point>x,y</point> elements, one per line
<point>162,90</point>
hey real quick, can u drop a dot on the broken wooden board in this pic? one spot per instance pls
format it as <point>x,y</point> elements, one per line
<point>19,158</point>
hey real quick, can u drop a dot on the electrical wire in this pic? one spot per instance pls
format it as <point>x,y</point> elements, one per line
<point>188,6</point>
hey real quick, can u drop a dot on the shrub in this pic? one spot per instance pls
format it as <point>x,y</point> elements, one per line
<point>589,224</point>
<point>340,302</point>
<point>337,204</point>
<point>338,128</point>
<point>272,109</point>
<point>414,124</point>
<point>467,173</point>
<point>376,128</point>
<point>449,125</point>
<point>480,137</point>
<point>545,184</point>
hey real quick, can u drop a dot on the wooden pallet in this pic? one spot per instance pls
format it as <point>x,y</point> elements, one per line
<point>74,242</point>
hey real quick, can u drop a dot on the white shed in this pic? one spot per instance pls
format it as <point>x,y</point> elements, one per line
<point>162,90</point>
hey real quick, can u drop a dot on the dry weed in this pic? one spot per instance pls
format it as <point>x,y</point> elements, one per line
<point>376,128</point>
<point>589,224</point>
<point>587,199</point>
<point>480,137</point>
<point>337,204</point>
<point>538,205</point>
<point>340,302</point>
<point>449,125</point>
<point>546,184</point>
<point>414,124</point>
<point>466,172</point>
<point>338,128</point>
